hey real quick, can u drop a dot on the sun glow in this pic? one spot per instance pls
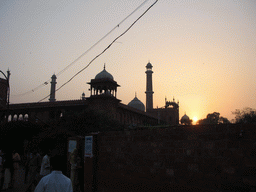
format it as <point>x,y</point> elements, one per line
<point>195,119</point>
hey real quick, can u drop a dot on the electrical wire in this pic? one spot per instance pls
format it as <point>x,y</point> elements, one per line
<point>104,49</point>
<point>82,55</point>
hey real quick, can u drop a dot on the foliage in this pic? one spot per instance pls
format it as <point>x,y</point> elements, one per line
<point>223,120</point>
<point>213,118</point>
<point>247,115</point>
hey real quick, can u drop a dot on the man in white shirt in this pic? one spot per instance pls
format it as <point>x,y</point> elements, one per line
<point>55,181</point>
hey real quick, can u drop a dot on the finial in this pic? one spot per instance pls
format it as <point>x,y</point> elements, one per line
<point>104,66</point>
<point>135,94</point>
<point>83,96</point>
<point>8,73</point>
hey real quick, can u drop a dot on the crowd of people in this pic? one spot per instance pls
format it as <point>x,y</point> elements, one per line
<point>9,167</point>
<point>40,171</point>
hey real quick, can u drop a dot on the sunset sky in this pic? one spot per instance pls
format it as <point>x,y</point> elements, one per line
<point>203,52</point>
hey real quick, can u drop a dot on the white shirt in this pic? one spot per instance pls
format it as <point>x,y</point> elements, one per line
<point>45,166</point>
<point>54,182</point>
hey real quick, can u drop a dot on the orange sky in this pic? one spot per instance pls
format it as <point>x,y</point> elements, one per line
<point>203,53</point>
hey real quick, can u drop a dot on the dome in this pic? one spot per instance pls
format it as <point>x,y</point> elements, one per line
<point>137,104</point>
<point>184,117</point>
<point>104,75</point>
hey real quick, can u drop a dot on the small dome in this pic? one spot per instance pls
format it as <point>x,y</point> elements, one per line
<point>137,104</point>
<point>184,117</point>
<point>149,66</point>
<point>104,75</point>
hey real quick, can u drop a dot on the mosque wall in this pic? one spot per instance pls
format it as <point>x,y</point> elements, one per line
<point>198,158</point>
<point>169,116</point>
<point>48,111</point>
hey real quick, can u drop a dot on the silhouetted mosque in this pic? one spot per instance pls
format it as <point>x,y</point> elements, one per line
<point>103,96</point>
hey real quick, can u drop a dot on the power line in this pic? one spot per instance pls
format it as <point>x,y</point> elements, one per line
<point>88,50</point>
<point>100,39</point>
<point>104,49</point>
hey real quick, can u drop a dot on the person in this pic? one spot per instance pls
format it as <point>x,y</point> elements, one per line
<point>55,181</point>
<point>7,165</point>
<point>33,172</point>
<point>80,175</point>
<point>1,169</point>
<point>16,166</point>
<point>38,154</point>
<point>28,158</point>
<point>73,162</point>
<point>45,165</point>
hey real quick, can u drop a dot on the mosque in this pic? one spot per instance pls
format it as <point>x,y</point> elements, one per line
<point>103,92</point>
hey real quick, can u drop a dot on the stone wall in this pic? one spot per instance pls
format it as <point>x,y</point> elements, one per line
<point>190,158</point>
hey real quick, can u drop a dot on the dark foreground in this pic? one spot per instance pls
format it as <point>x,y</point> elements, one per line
<point>21,187</point>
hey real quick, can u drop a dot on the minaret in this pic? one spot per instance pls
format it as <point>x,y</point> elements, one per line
<point>53,85</point>
<point>149,88</point>
<point>8,88</point>
<point>83,96</point>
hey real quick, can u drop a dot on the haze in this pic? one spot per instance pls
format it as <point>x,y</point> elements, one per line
<point>203,52</point>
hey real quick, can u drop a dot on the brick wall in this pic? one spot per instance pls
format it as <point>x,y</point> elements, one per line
<point>187,157</point>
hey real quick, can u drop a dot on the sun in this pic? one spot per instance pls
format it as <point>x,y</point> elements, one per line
<point>195,119</point>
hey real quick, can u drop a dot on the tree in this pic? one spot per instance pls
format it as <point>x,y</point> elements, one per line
<point>247,115</point>
<point>213,118</point>
<point>223,120</point>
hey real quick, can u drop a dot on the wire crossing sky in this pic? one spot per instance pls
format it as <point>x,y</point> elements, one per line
<point>107,46</point>
<point>82,55</point>
<point>203,52</point>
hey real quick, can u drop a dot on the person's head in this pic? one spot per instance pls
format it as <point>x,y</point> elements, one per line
<point>56,162</point>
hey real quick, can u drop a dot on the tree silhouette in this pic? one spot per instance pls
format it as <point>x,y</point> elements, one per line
<point>247,115</point>
<point>213,118</point>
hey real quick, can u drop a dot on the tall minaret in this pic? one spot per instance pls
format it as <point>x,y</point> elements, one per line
<point>53,85</point>
<point>149,87</point>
